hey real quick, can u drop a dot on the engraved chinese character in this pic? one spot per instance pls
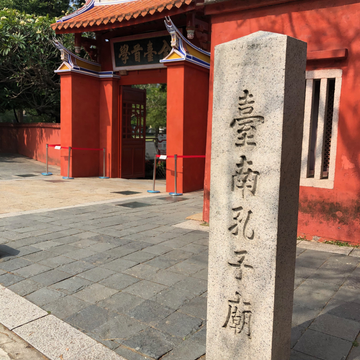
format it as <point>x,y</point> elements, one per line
<point>245,178</point>
<point>150,52</point>
<point>166,48</point>
<point>246,123</point>
<point>246,129</point>
<point>239,316</point>
<point>244,102</point>
<point>239,264</point>
<point>241,219</point>
<point>124,53</point>
<point>136,52</point>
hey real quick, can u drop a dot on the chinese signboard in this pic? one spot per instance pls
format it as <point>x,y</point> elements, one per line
<point>140,53</point>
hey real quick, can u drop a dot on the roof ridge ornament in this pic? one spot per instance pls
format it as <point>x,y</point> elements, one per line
<point>183,49</point>
<point>74,63</point>
<point>70,57</point>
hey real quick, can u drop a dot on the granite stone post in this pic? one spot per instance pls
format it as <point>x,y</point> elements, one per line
<point>259,90</point>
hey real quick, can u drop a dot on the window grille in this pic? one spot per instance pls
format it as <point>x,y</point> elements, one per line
<point>320,128</point>
<point>133,121</point>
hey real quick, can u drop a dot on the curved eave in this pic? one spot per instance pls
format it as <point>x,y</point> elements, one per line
<point>116,16</point>
<point>177,56</point>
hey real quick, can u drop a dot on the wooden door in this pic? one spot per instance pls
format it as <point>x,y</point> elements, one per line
<point>132,132</point>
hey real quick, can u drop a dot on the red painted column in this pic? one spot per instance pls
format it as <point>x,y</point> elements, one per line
<point>65,119</point>
<point>187,105</point>
<point>80,123</point>
<point>109,125</point>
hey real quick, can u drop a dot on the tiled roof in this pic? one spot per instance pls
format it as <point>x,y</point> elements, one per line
<point>111,14</point>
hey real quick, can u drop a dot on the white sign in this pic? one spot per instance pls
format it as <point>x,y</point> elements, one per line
<point>162,144</point>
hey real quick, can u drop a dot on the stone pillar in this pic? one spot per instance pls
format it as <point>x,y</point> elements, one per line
<point>255,170</point>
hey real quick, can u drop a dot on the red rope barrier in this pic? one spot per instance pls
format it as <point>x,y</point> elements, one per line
<point>73,148</point>
<point>190,156</point>
<point>167,156</point>
<point>182,156</point>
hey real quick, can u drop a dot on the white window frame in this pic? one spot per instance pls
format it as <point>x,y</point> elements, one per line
<point>317,180</point>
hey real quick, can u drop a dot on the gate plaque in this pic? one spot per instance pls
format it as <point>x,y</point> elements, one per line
<point>140,51</point>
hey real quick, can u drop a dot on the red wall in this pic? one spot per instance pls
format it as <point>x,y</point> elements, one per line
<point>141,77</point>
<point>324,25</point>
<point>30,140</point>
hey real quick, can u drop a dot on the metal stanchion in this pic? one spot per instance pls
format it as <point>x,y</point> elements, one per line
<point>153,191</point>
<point>68,177</point>
<point>175,193</point>
<point>47,164</point>
<point>104,167</point>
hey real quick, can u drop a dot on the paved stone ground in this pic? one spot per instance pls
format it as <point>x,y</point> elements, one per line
<point>133,277</point>
<point>102,269</point>
<point>23,188</point>
<point>17,167</point>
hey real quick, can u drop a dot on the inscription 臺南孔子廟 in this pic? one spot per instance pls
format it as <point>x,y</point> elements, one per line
<point>244,186</point>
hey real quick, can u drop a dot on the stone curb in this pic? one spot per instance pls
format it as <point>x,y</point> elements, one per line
<point>51,336</point>
<point>192,225</point>
<point>318,246</point>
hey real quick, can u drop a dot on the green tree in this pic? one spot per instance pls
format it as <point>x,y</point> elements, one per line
<point>40,7</point>
<point>27,63</point>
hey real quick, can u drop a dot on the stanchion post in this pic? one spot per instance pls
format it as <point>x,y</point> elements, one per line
<point>153,191</point>
<point>69,162</point>
<point>175,159</point>
<point>47,163</point>
<point>104,165</point>
<point>175,193</point>
<point>68,177</point>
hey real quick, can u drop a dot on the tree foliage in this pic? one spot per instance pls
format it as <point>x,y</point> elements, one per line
<point>28,58</point>
<point>27,63</point>
<point>53,8</point>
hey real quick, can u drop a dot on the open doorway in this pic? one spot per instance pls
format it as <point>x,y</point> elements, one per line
<point>155,128</point>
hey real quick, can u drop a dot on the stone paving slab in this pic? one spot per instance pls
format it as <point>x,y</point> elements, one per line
<point>25,311</point>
